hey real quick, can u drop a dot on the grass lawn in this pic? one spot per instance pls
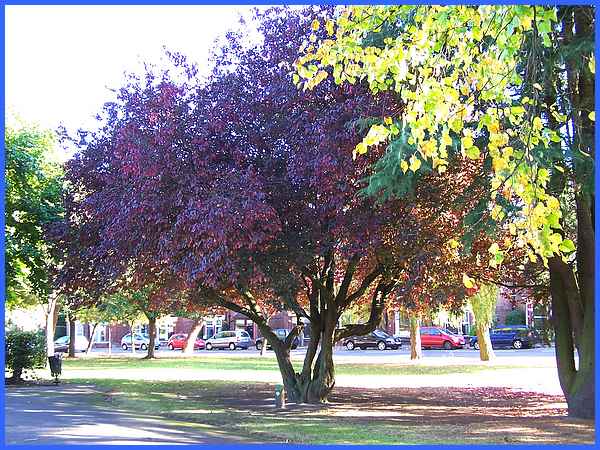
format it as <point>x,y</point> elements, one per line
<point>355,416</point>
<point>270,364</point>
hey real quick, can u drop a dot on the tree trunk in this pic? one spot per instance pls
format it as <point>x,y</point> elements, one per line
<point>72,335</point>
<point>91,343</point>
<point>415,338</point>
<point>191,339</point>
<point>263,349</point>
<point>573,307</point>
<point>51,319</point>
<point>486,351</point>
<point>132,339</point>
<point>152,335</point>
<point>109,342</point>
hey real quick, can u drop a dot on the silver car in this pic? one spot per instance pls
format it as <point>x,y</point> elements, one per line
<point>141,342</point>
<point>229,339</point>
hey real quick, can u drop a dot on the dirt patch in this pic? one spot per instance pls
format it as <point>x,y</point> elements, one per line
<point>456,415</point>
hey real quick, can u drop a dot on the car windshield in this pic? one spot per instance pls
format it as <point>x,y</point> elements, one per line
<point>380,333</point>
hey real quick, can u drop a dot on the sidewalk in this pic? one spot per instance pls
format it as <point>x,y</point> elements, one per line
<point>74,415</point>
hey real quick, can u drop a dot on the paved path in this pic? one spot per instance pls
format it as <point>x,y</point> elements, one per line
<point>75,415</point>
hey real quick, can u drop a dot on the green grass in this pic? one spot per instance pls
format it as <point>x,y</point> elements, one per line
<point>270,364</point>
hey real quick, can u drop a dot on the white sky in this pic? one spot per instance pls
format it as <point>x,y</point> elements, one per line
<point>60,59</point>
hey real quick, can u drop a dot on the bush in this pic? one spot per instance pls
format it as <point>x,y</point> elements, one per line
<point>24,350</point>
<point>515,317</point>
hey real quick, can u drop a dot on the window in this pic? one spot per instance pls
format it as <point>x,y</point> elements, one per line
<point>244,334</point>
<point>101,334</point>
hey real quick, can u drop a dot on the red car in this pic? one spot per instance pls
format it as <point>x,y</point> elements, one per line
<point>435,337</point>
<point>178,341</point>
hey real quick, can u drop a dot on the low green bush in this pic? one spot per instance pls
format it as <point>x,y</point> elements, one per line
<point>24,350</point>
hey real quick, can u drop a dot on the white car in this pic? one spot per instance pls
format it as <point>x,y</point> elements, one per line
<point>62,344</point>
<point>229,339</point>
<point>141,342</point>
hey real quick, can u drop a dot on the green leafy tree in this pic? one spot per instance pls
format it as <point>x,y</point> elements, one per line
<point>512,86</point>
<point>33,205</point>
<point>483,304</point>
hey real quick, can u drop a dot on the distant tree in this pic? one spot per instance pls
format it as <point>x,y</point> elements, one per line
<point>515,317</point>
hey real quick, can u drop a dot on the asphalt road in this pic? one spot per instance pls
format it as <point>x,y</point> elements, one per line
<point>74,415</point>
<point>539,356</point>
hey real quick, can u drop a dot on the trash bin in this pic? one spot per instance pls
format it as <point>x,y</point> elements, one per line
<point>55,366</point>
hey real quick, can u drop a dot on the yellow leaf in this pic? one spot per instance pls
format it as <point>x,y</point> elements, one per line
<point>537,86</point>
<point>415,163</point>
<point>315,25</point>
<point>329,27</point>
<point>468,281</point>
<point>404,166</point>
<point>537,124</point>
<point>453,243</point>
<point>467,142</point>
<point>446,140</point>
<point>592,116</point>
<point>387,120</point>
<point>361,148</point>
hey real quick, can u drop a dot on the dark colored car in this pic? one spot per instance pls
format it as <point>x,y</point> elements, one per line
<point>377,339</point>
<point>178,341</point>
<point>436,337</point>
<point>515,336</point>
<point>281,333</point>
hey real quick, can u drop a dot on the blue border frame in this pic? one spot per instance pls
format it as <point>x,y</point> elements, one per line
<point>291,2</point>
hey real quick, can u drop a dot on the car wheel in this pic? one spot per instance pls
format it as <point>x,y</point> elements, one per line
<point>259,346</point>
<point>209,346</point>
<point>350,345</point>
<point>171,347</point>
<point>231,346</point>
<point>447,345</point>
<point>124,347</point>
<point>517,344</point>
<point>476,345</point>
<point>144,347</point>
<point>381,345</point>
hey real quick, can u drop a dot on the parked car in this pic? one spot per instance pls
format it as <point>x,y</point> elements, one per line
<point>61,345</point>
<point>141,342</point>
<point>377,339</point>
<point>436,337</point>
<point>515,336</point>
<point>281,333</point>
<point>229,339</point>
<point>178,342</point>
